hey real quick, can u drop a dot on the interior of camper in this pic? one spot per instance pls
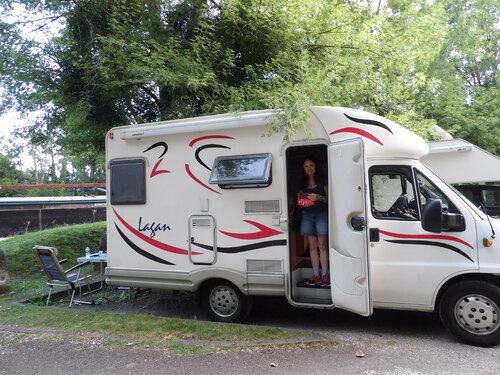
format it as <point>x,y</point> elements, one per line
<point>300,261</point>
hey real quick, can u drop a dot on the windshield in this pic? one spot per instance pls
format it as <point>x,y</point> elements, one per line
<point>466,201</point>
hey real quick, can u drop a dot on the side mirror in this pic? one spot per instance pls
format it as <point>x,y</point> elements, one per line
<point>454,222</point>
<point>432,217</point>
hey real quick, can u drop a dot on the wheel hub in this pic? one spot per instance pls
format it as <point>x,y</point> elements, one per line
<point>477,314</point>
<point>223,301</point>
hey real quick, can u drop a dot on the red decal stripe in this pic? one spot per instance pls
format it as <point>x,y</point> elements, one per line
<point>427,237</point>
<point>155,171</point>
<point>363,133</point>
<point>262,233</point>
<point>158,244</point>
<point>197,180</point>
<point>208,137</point>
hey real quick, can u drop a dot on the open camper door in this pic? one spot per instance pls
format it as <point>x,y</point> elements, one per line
<point>348,239</point>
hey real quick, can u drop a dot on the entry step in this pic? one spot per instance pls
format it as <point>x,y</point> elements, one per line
<point>313,301</point>
<point>303,284</point>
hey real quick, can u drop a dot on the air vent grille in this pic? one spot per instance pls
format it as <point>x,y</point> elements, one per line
<point>262,207</point>
<point>201,222</point>
<point>264,266</point>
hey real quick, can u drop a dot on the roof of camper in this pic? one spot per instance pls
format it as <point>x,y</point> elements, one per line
<point>383,138</point>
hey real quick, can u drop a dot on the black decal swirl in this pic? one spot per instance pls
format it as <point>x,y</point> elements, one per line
<point>158,144</point>
<point>197,156</point>
<point>432,243</point>
<point>140,251</point>
<point>369,122</point>
<point>240,249</point>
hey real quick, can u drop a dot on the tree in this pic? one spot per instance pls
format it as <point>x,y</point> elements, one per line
<point>466,100</point>
<point>114,62</point>
<point>10,175</point>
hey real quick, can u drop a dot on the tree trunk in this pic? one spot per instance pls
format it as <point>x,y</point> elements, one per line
<point>4,275</point>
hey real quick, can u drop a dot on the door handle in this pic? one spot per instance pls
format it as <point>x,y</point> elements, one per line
<point>374,235</point>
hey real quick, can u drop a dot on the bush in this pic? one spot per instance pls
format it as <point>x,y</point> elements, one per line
<point>69,240</point>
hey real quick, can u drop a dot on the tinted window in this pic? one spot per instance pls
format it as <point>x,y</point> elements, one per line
<point>128,182</point>
<point>492,198</point>
<point>242,171</point>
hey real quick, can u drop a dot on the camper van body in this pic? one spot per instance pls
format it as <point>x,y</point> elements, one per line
<point>207,204</point>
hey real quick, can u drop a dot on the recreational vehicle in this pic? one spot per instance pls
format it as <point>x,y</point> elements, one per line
<point>209,205</point>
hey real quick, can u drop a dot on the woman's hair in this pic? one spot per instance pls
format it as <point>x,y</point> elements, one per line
<point>318,175</point>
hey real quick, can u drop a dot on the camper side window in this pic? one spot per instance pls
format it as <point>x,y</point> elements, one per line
<point>128,181</point>
<point>392,193</point>
<point>242,171</point>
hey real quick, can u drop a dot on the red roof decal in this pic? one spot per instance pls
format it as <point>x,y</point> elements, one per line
<point>208,137</point>
<point>363,133</point>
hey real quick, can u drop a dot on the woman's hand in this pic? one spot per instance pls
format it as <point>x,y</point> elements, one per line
<point>306,204</point>
<point>316,197</point>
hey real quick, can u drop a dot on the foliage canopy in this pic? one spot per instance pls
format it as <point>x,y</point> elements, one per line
<point>89,65</point>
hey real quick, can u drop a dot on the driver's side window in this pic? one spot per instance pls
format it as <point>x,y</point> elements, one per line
<point>392,193</point>
<point>428,191</point>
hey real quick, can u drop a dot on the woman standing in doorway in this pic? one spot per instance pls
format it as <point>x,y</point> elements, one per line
<point>314,223</point>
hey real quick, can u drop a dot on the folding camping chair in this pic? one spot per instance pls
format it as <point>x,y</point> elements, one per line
<point>57,277</point>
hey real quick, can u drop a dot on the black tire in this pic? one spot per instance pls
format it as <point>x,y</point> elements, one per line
<point>224,302</point>
<point>470,310</point>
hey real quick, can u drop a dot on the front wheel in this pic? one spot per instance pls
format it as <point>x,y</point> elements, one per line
<point>224,302</point>
<point>470,310</point>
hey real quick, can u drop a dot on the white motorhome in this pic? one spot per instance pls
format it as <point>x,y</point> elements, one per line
<point>206,204</point>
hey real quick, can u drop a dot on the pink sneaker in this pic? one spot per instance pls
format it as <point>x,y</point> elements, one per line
<point>325,282</point>
<point>313,280</point>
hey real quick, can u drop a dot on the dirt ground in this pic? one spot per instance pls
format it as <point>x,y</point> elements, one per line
<point>393,342</point>
<point>155,302</point>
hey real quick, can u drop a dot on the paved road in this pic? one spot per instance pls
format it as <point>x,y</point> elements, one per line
<point>393,343</point>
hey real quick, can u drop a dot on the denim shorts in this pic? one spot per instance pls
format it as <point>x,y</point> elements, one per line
<point>314,223</point>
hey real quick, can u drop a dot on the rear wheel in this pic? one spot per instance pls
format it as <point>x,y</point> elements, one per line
<point>224,302</point>
<point>470,310</point>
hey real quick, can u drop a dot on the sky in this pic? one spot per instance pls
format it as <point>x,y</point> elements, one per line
<point>8,122</point>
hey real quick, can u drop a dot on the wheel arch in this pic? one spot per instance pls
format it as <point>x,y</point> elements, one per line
<point>202,277</point>
<point>491,278</point>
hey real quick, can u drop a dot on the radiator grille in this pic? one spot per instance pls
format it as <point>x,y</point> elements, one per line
<point>262,207</point>
<point>264,266</point>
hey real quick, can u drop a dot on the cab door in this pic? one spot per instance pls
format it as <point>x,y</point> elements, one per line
<point>348,239</point>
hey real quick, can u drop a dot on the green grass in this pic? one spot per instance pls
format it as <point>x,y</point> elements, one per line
<point>131,325</point>
<point>69,240</point>
<point>118,329</point>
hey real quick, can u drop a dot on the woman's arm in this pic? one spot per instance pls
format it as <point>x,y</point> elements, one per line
<point>318,197</point>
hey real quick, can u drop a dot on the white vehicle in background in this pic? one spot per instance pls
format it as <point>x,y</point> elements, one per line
<point>207,204</point>
<point>472,170</point>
